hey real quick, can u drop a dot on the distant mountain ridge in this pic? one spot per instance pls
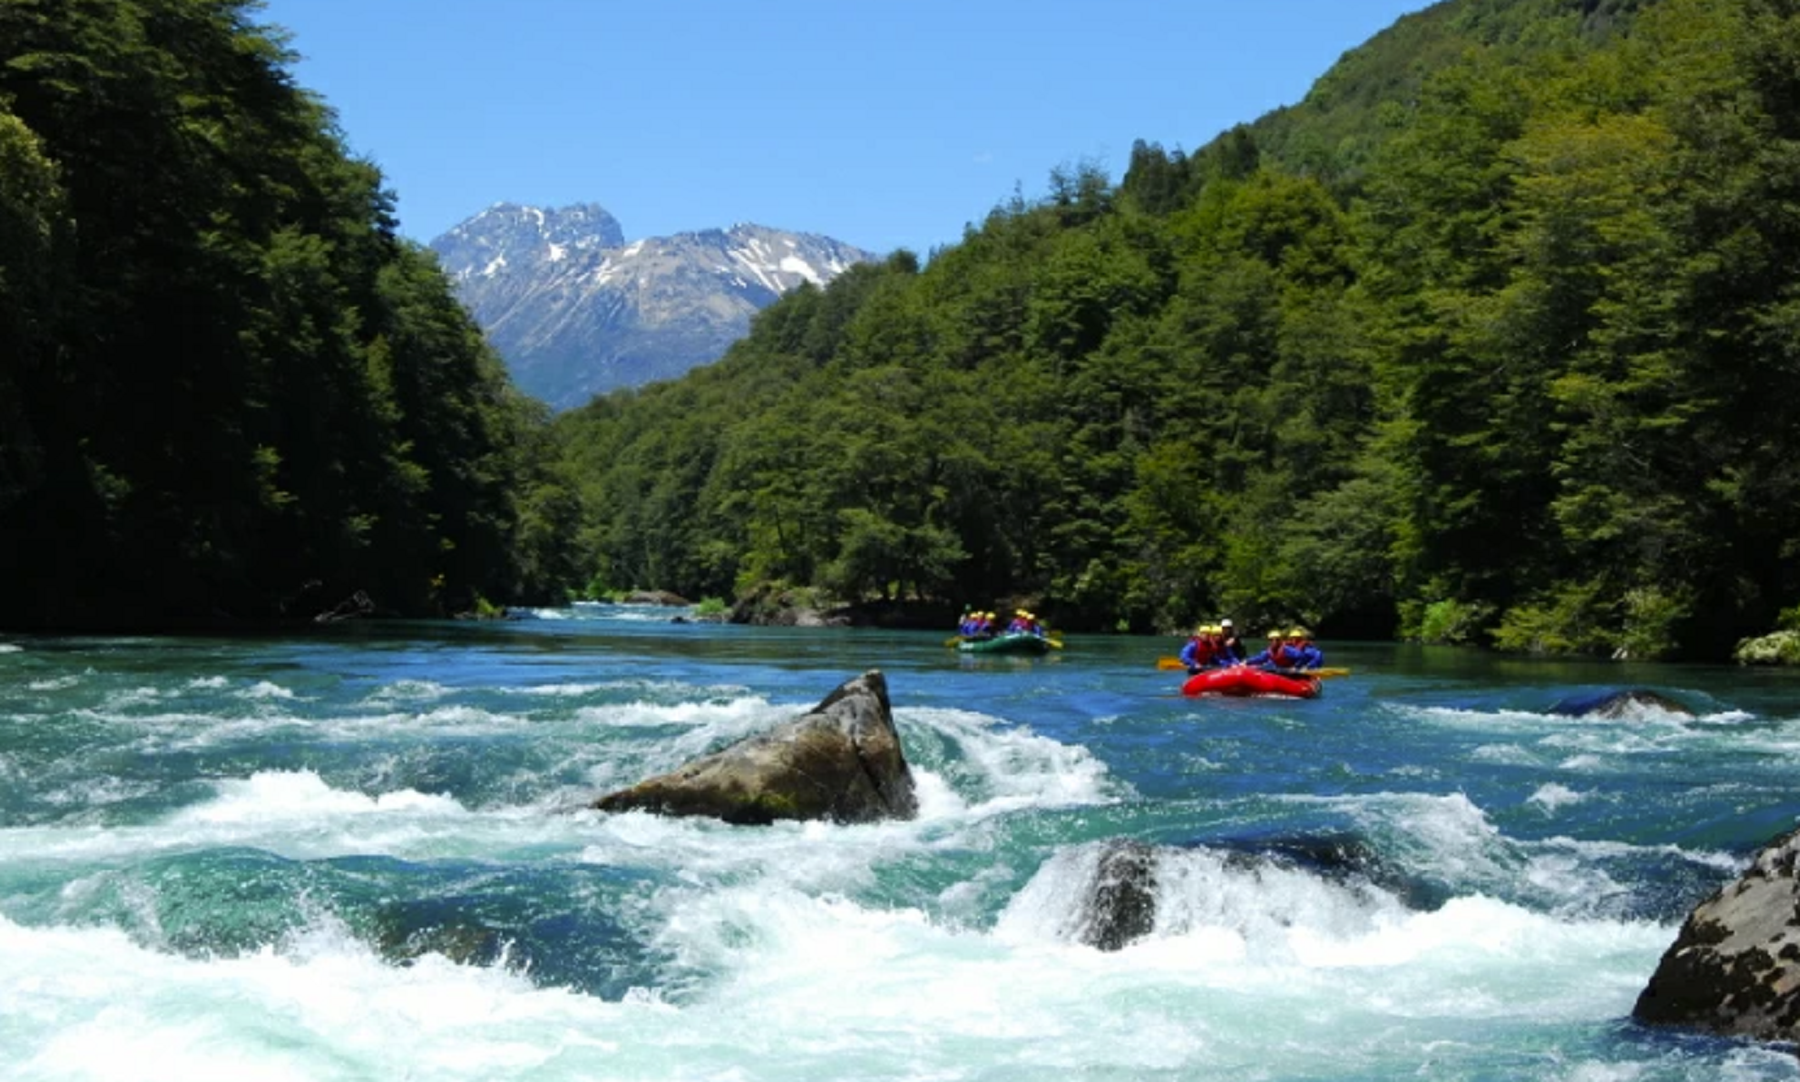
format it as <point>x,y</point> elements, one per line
<point>576,311</point>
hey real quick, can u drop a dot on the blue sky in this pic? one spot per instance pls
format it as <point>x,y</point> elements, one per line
<point>882,125</point>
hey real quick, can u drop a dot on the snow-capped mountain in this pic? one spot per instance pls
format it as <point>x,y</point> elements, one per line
<point>575,311</point>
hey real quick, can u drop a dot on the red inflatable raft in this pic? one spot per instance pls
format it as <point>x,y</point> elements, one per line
<point>1244,680</point>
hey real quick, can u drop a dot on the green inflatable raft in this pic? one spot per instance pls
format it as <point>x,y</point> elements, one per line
<point>1013,642</point>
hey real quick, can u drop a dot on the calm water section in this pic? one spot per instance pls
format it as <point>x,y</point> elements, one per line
<point>364,854</point>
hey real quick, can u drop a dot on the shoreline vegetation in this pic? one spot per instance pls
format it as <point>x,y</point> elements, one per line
<point>1489,340</point>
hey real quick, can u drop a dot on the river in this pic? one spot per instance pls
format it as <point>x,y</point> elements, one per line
<point>365,854</point>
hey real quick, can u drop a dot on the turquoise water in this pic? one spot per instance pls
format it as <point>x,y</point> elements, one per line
<point>364,855</point>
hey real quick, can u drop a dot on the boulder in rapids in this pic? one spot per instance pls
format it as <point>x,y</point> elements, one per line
<point>842,761</point>
<point>1619,704</point>
<point>1734,969</point>
<point>1119,906</point>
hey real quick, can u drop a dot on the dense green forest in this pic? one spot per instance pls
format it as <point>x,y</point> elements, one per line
<point>1495,338</point>
<point>228,392</point>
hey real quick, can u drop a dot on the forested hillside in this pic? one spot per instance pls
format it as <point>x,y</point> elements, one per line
<point>1495,338</point>
<point>228,391</point>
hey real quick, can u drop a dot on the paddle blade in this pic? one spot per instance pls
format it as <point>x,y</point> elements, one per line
<point>1170,663</point>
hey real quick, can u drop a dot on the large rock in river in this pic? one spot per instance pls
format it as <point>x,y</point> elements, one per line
<point>1630,702</point>
<point>1735,967</point>
<point>842,762</point>
<point>1118,907</point>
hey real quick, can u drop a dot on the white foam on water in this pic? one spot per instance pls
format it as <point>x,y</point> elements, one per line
<point>462,720</point>
<point>1727,864</point>
<point>300,795</point>
<point>1450,839</point>
<point>716,717</point>
<point>89,1004</point>
<point>1016,768</point>
<point>1778,739</point>
<point>603,611</point>
<point>290,813</point>
<point>1259,971</point>
<point>1511,754</point>
<point>1231,906</point>
<point>777,974</point>
<point>1553,797</point>
<point>264,689</point>
<point>668,692</point>
<point>1485,720</point>
<point>1600,745</point>
<point>276,715</point>
<point>702,852</point>
<point>1724,717</point>
<point>124,699</point>
<point>409,691</point>
<point>771,982</point>
<point>565,690</point>
<point>699,727</point>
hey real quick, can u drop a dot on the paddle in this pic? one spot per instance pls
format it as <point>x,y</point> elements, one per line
<point>1164,663</point>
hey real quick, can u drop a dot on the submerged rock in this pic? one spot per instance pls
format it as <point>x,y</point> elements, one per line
<point>465,943</point>
<point>1119,906</point>
<point>1618,704</point>
<point>1347,860</point>
<point>842,762</point>
<point>1734,969</point>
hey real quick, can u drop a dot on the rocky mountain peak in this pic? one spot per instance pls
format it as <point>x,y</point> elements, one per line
<point>511,236</point>
<point>576,311</point>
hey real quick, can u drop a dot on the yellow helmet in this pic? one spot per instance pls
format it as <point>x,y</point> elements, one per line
<point>1277,633</point>
<point>1297,633</point>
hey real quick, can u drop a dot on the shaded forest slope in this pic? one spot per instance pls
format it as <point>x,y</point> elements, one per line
<point>229,394</point>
